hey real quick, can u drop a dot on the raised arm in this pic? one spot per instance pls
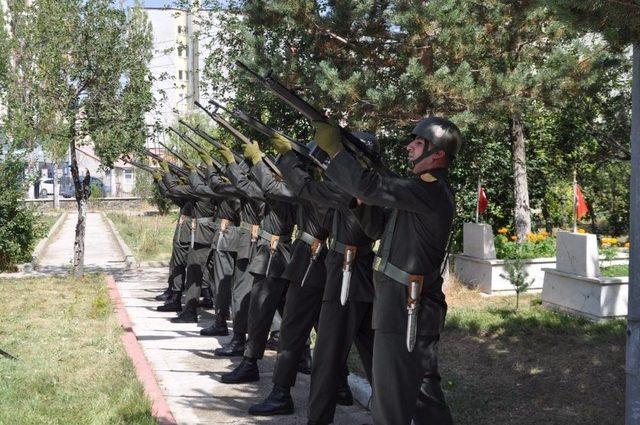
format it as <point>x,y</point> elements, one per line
<point>271,187</point>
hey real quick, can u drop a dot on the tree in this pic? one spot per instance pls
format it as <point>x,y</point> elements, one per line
<point>80,76</point>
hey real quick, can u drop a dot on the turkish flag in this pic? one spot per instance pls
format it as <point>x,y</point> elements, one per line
<point>581,205</point>
<point>482,200</point>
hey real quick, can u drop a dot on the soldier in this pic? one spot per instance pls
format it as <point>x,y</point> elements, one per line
<point>202,230</point>
<point>306,275</point>
<point>180,248</point>
<point>409,307</point>
<point>347,300</point>
<point>226,243</point>
<point>267,266</point>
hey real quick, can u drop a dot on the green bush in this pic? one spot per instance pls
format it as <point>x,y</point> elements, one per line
<point>536,246</point>
<point>20,227</point>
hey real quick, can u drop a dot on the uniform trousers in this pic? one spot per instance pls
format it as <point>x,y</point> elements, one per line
<point>339,327</point>
<point>267,296</point>
<point>301,311</point>
<point>240,296</point>
<point>197,260</point>
<point>406,385</point>
<point>223,268</point>
<point>177,266</point>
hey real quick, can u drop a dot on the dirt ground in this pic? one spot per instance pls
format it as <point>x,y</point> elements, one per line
<point>533,366</point>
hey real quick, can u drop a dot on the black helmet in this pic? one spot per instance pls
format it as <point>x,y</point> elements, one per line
<point>370,141</point>
<point>442,133</point>
<point>316,152</point>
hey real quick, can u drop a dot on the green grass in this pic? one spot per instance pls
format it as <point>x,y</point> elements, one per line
<point>48,220</point>
<point>70,365</point>
<point>618,270</point>
<point>150,237</point>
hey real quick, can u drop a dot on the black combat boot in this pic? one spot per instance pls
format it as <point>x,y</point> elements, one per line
<point>233,348</point>
<point>187,316</point>
<point>218,328</point>
<point>207,299</point>
<point>274,341</point>
<point>304,366</point>
<point>172,304</point>
<point>278,402</point>
<point>344,397</point>
<point>165,295</point>
<point>246,371</point>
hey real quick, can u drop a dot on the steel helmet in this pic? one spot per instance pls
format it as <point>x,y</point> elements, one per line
<point>442,133</point>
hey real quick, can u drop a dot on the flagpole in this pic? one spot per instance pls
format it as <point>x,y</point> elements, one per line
<point>575,203</point>
<point>478,200</point>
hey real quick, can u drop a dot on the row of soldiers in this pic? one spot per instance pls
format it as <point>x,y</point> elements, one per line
<point>235,246</point>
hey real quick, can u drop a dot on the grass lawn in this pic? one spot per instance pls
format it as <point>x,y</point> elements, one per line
<point>70,366</point>
<point>48,220</point>
<point>533,366</point>
<point>149,237</point>
<point>617,270</point>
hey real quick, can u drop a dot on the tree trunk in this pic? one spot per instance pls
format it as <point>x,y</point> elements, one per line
<point>522,213</point>
<point>81,189</point>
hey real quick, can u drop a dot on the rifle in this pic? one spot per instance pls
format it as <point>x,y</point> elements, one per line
<point>350,142</point>
<point>239,136</point>
<point>258,125</point>
<point>139,165</point>
<point>176,169</point>
<point>239,158</point>
<point>182,158</point>
<point>188,140</point>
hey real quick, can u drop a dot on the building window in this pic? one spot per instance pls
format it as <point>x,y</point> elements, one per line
<point>186,51</point>
<point>179,29</point>
<point>128,175</point>
<point>180,75</point>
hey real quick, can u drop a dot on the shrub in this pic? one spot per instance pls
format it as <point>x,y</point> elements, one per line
<point>20,227</point>
<point>537,245</point>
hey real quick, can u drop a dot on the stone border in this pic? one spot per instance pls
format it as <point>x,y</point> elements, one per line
<point>42,245</point>
<point>160,408</point>
<point>153,264</point>
<point>129,258</point>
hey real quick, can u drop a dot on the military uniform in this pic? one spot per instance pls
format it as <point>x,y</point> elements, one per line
<point>181,238</point>
<point>202,230</point>
<point>339,326</point>
<point>271,258</point>
<point>414,237</point>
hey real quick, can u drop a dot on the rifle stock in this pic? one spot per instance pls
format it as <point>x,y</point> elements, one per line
<point>183,158</point>
<point>139,165</point>
<point>211,140</point>
<point>188,140</point>
<point>261,127</point>
<point>176,169</point>
<point>239,136</point>
<point>350,142</point>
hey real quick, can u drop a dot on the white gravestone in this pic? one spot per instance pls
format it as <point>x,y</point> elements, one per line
<point>478,241</point>
<point>577,253</point>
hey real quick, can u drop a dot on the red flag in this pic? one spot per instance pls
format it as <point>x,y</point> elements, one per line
<point>482,200</point>
<point>581,205</point>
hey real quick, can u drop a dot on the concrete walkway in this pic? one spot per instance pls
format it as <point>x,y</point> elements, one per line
<point>101,249</point>
<point>183,361</point>
<point>189,373</point>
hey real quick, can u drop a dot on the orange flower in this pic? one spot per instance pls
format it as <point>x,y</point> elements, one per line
<point>503,231</point>
<point>514,238</point>
<point>582,231</point>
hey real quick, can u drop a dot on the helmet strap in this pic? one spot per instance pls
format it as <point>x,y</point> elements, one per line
<point>424,155</point>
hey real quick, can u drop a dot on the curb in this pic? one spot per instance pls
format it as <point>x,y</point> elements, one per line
<point>153,264</point>
<point>42,245</point>
<point>361,390</point>
<point>159,409</point>
<point>129,259</point>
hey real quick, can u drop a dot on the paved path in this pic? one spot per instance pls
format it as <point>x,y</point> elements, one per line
<point>182,360</point>
<point>101,249</point>
<point>189,373</point>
